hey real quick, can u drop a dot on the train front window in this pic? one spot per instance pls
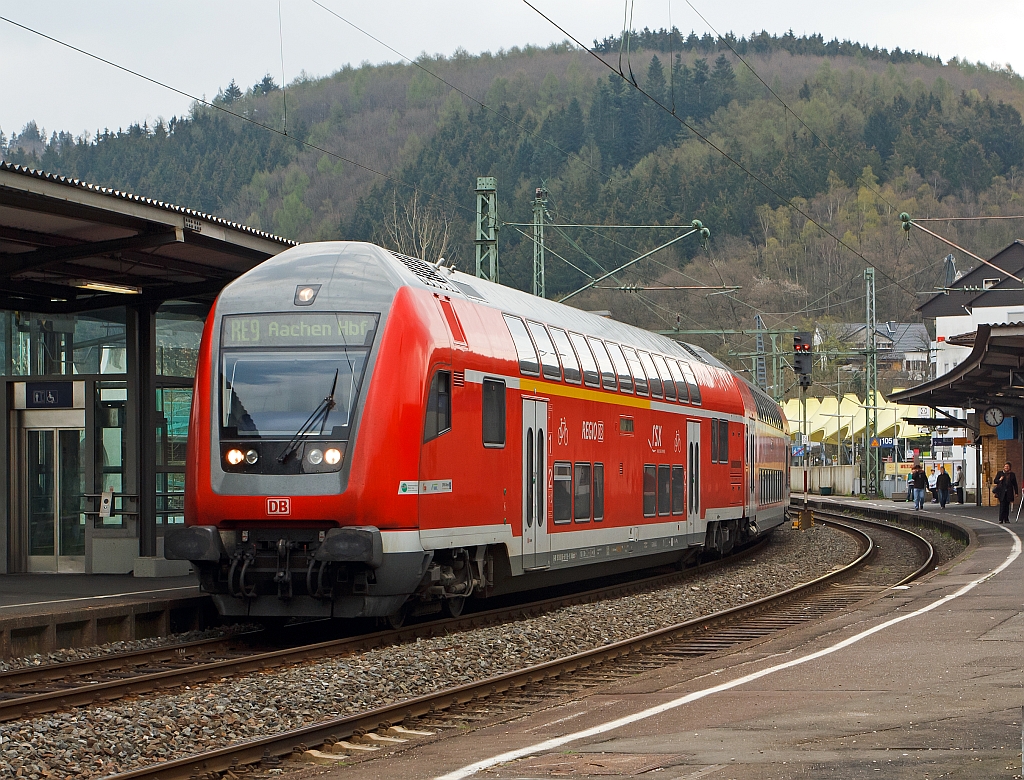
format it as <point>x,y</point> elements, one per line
<point>273,394</point>
<point>279,371</point>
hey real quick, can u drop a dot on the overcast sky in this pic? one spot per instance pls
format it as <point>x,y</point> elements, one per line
<point>198,46</point>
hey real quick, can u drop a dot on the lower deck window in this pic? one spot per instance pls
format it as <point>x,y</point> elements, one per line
<point>582,493</point>
<point>650,491</point>
<point>664,490</point>
<point>677,490</point>
<point>598,491</point>
<point>562,498</point>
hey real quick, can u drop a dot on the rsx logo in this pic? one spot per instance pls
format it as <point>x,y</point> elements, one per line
<point>279,506</point>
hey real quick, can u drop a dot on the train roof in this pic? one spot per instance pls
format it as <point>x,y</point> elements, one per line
<point>373,273</point>
<point>529,306</point>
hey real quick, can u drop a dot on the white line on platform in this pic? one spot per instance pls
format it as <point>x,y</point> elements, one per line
<point>92,598</point>
<point>550,744</point>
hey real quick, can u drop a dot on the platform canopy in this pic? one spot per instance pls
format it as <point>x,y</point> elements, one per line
<point>832,421</point>
<point>72,248</point>
<point>69,246</point>
<point>992,375</point>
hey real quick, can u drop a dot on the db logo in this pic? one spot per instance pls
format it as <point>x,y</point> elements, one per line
<point>279,506</point>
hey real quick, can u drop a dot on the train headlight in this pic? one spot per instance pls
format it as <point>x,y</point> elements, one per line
<point>251,457</point>
<point>332,456</point>
<point>315,457</point>
<point>234,457</point>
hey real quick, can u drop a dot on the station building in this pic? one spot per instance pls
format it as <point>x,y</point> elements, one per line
<point>979,363</point>
<point>103,295</point>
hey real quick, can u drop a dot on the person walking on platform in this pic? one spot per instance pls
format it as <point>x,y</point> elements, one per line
<point>958,484</point>
<point>942,485</point>
<point>1006,489</point>
<point>920,479</point>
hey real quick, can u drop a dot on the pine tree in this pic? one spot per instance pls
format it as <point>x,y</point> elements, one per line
<point>723,80</point>
<point>231,94</point>
<point>266,86</point>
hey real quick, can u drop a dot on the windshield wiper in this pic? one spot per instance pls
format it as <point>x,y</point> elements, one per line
<point>319,415</point>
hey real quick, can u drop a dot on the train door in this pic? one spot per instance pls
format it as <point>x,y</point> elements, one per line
<point>536,544</point>
<point>751,470</point>
<point>693,497</point>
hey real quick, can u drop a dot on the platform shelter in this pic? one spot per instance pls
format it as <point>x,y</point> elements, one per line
<point>990,381</point>
<point>103,295</point>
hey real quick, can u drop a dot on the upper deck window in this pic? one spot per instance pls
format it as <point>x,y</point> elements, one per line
<point>528,362</point>
<point>590,372</point>
<point>621,367</point>
<point>605,362</point>
<point>677,376</point>
<point>670,385</point>
<point>691,382</point>
<point>548,356</point>
<point>652,374</point>
<point>638,370</point>
<point>570,365</point>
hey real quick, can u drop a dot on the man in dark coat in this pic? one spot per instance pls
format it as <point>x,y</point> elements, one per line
<point>1006,489</point>
<point>942,483</point>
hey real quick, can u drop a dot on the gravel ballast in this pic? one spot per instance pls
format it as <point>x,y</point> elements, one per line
<point>127,646</point>
<point>130,733</point>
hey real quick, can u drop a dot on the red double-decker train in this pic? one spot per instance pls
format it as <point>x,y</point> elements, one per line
<point>375,435</point>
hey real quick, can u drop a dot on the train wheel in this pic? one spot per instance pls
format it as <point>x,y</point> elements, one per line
<point>453,607</point>
<point>397,619</point>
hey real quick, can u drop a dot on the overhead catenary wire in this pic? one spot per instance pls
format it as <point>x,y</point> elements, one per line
<point>844,163</point>
<point>859,177</point>
<point>332,154</point>
<point>964,219</point>
<point>908,223</point>
<point>229,112</point>
<point>553,252</point>
<point>535,134</point>
<point>280,132</point>
<point>759,179</point>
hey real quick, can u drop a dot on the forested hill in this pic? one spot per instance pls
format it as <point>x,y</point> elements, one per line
<point>865,133</point>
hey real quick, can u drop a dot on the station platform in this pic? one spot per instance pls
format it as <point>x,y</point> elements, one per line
<point>923,681</point>
<point>40,613</point>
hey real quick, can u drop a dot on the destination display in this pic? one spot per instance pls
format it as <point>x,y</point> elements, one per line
<point>306,329</point>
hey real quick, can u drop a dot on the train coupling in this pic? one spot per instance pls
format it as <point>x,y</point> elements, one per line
<point>283,577</point>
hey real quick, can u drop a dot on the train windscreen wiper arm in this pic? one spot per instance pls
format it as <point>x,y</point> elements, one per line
<point>319,415</point>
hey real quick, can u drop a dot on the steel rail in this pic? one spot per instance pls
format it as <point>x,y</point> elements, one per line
<point>269,749</point>
<point>923,544</point>
<point>87,693</point>
<point>110,662</point>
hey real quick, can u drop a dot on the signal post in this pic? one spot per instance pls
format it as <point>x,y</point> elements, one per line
<point>803,365</point>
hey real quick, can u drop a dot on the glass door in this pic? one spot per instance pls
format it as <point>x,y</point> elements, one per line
<point>55,475</point>
<point>536,481</point>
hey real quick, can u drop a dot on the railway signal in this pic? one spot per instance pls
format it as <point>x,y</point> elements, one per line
<point>803,357</point>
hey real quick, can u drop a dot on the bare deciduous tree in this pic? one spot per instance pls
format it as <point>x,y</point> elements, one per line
<point>418,230</point>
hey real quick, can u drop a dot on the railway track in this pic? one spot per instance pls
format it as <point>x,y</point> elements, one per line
<point>52,687</point>
<point>889,556</point>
